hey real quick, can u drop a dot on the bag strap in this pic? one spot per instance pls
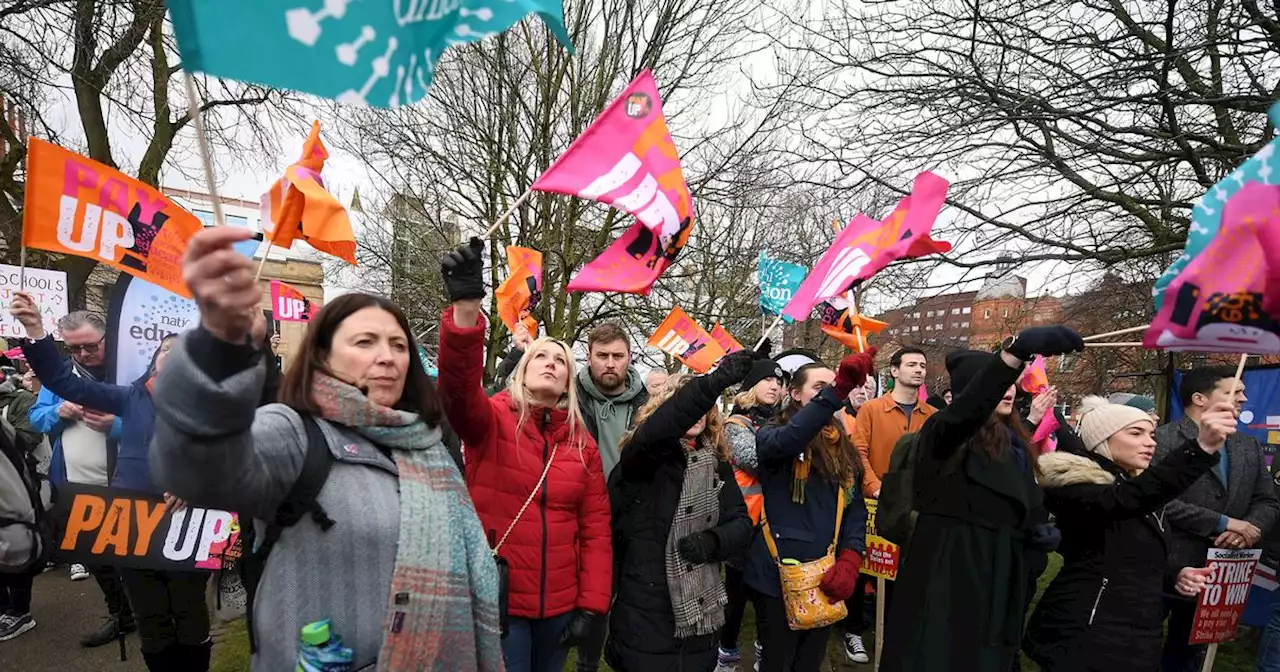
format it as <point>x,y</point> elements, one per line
<point>542,479</point>
<point>768,533</point>
<point>741,422</point>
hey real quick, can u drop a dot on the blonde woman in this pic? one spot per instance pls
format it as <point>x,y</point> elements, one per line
<point>677,516</point>
<point>535,476</point>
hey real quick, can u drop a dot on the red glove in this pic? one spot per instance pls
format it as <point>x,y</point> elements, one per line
<point>839,581</point>
<point>853,371</point>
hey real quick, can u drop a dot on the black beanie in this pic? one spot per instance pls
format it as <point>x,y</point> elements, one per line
<point>963,366</point>
<point>761,369</point>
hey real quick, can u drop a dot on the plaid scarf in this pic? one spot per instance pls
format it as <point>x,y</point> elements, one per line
<point>442,612</point>
<point>697,594</point>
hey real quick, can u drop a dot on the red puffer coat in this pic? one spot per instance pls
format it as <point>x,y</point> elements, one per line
<point>566,526</point>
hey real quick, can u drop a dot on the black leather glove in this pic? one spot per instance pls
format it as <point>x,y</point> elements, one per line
<point>698,548</point>
<point>580,626</point>
<point>1047,341</point>
<point>733,368</point>
<point>463,271</point>
<point>765,347</point>
<point>1044,537</point>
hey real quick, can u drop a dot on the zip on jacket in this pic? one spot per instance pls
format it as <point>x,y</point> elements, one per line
<point>542,580</point>
<point>1101,589</point>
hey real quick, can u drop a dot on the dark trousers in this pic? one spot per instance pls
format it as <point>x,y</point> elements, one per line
<point>735,609</point>
<point>15,592</point>
<point>1179,656</point>
<point>784,649</point>
<point>533,645</point>
<point>168,607</point>
<point>592,646</point>
<point>112,587</point>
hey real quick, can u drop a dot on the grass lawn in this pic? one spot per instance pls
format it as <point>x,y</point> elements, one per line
<point>232,653</point>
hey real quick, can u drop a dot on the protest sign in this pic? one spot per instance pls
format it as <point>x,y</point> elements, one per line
<point>881,558</point>
<point>1222,602</point>
<point>47,286</point>
<point>288,304</point>
<point>139,316</point>
<point>125,528</point>
<point>725,339</point>
<point>74,205</point>
<point>682,338</point>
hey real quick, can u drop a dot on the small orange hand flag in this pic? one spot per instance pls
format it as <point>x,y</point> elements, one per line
<point>298,206</point>
<point>521,292</point>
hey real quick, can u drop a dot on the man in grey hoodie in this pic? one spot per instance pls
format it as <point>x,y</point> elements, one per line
<point>610,392</point>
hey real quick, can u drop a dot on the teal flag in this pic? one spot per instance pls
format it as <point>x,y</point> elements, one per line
<point>380,53</point>
<point>779,280</point>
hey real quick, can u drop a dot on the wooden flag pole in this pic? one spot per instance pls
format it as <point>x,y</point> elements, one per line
<point>1120,332</point>
<point>510,211</point>
<point>1210,654</point>
<point>1114,344</point>
<point>764,336</point>
<point>22,267</point>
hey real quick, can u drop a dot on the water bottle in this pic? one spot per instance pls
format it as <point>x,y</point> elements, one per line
<point>322,651</point>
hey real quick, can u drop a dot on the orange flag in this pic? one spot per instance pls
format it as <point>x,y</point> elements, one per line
<point>521,292</point>
<point>840,322</point>
<point>74,205</point>
<point>298,206</point>
<point>682,338</point>
<point>725,339</point>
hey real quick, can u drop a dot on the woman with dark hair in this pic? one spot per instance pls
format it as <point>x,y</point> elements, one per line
<point>393,508</point>
<point>807,468</point>
<point>677,516</point>
<point>168,607</point>
<point>959,603</point>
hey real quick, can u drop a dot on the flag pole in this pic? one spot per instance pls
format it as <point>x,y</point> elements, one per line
<point>765,336</point>
<point>22,268</point>
<point>852,296</point>
<point>510,211</point>
<point>1120,332</point>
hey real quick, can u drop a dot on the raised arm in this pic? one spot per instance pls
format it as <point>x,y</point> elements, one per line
<point>778,443</point>
<point>56,374</point>
<point>1147,492</point>
<point>461,381</point>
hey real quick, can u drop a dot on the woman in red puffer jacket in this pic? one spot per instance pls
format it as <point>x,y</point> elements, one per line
<point>534,474</point>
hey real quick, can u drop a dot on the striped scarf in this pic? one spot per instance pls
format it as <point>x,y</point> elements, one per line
<point>442,612</point>
<point>697,593</point>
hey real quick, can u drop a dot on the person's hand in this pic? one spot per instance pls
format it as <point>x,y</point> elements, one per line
<point>1244,528</point>
<point>853,371</point>
<point>521,336</point>
<point>1230,539</point>
<point>172,503</point>
<point>1047,341</point>
<point>1192,580</point>
<point>580,626</point>
<point>763,350</point>
<point>26,311</point>
<point>698,548</point>
<point>70,411</point>
<point>1041,404</point>
<point>99,422</point>
<point>221,280</point>
<point>463,272</point>
<point>1216,424</point>
<point>733,368</point>
<point>839,581</point>
<point>275,342</point>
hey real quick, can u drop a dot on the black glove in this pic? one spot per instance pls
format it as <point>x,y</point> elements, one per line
<point>463,272</point>
<point>762,351</point>
<point>698,548</point>
<point>1044,537</point>
<point>579,628</point>
<point>733,368</point>
<point>1047,341</point>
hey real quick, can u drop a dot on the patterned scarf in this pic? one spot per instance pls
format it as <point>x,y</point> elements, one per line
<point>697,594</point>
<point>442,612</point>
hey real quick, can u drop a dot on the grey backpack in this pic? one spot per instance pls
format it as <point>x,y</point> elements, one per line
<point>25,534</point>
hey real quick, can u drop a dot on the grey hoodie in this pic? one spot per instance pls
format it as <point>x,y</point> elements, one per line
<point>608,418</point>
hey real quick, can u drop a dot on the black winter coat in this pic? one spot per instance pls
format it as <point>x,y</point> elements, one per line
<point>960,598</point>
<point>1104,609</point>
<point>645,490</point>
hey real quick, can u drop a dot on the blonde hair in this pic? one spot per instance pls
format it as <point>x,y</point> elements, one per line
<point>568,399</point>
<point>747,399</point>
<point>712,432</point>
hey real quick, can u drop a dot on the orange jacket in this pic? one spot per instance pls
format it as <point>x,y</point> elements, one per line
<point>879,425</point>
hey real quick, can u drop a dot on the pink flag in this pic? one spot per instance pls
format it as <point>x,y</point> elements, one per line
<point>1034,379</point>
<point>1044,436</point>
<point>866,246</point>
<point>1225,299</point>
<point>626,159</point>
<point>288,304</point>
<point>923,394</point>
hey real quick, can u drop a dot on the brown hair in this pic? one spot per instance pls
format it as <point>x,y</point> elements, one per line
<point>836,461</point>
<point>607,332</point>
<point>419,394</point>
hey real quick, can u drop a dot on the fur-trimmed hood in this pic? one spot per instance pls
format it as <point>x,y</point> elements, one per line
<point>1060,469</point>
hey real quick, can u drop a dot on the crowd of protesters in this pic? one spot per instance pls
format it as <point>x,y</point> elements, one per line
<point>634,517</point>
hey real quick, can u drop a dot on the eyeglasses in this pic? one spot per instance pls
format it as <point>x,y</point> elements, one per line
<point>88,347</point>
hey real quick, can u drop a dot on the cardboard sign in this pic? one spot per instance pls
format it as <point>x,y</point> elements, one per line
<point>125,528</point>
<point>1222,602</point>
<point>49,289</point>
<point>881,558</point>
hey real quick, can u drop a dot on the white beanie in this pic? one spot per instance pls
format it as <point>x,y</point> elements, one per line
<point>1100,419</point>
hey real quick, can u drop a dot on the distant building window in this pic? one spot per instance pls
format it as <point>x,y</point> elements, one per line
<point>967,310</point>
<point>955,311</point>
<point>937,327</point>
<point>965,339</point>
<point>964,325</point>
<point>1006,312</point>
<point>986,314</point>
<point>915,327</point>
<point>204,216</point>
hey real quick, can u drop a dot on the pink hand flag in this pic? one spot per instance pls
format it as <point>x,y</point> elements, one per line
<point>922,395</point>
<point>288,304</point>
<point>1044,435</point>
<point>866,246</point>
<point>1035,379</point>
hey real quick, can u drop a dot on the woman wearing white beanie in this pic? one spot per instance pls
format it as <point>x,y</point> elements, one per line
<point>1103,610</point>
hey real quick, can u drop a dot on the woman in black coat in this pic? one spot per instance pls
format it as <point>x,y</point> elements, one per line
<point>1104,610</point>
<point>959,602</point>
<point>677,515</point>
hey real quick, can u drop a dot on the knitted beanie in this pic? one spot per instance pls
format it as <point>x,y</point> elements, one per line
<point>760,370</point>
<point>1100,419</point>
<point>1135,400</point>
